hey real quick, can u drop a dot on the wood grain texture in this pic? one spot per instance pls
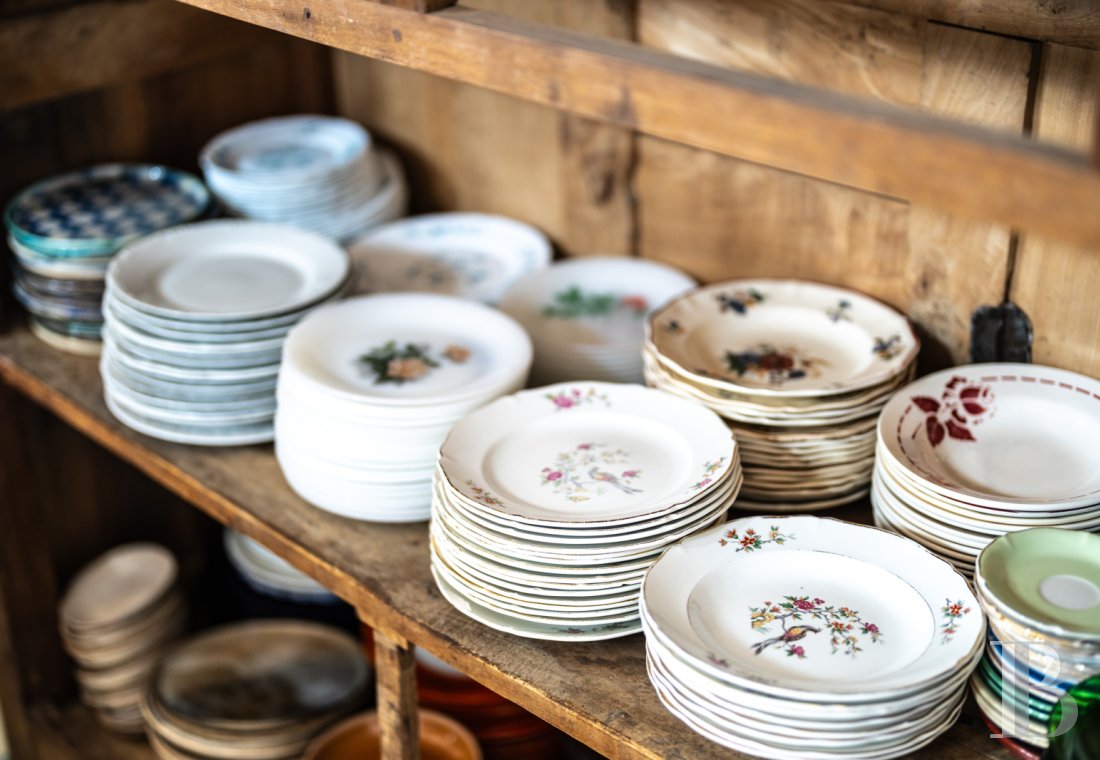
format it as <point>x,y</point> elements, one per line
<point>1056,284</point>
<point>72,732</point>
<point>722,218</point>
<point>597,692</point>
<point>851,141</point>
<point>398,711</point>
<point>474,150</point>
<point>420,6</point>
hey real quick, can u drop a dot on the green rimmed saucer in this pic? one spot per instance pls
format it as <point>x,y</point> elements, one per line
<point>1038,709</point>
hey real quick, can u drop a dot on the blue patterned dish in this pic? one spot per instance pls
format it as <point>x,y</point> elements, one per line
<point>63,309</point>
<point>97,210</point>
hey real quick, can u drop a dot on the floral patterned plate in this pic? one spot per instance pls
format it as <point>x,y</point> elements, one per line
<point>1015,436</point>
<point>594,452</point>
<point>782,338</point>
<point>813,608</point>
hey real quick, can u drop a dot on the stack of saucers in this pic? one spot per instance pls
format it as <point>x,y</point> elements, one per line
<point>271,575</point>
<point>196,318</point>
<point>798,637</point>
<point>117,619</point>
<point>475,256</point>
<point>586,316</point>
<point>550,504</point>
<point>971,453</point>
<point>800,371</point>
<point>370,387</point>
<point>63,232</point>
<point>260,690</point>
<point>1040,589</point>
<point>320,173</point>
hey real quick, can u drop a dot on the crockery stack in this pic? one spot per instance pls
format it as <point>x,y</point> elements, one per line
<point>800,371</point>
<point>370,387</point>
<point>63,232</point>
<point>271,575</point>
<point>798,637</point>
<point>260,690</point>
<point>586,317</point>
<point>1040,589</point>
<point>550,504</point>
<point>972,453</point>
<point>119,616</point>
<point>320,173</point>
<point>196,318</point>
<point>475,256</point>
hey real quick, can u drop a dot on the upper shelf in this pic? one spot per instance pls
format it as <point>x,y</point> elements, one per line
<point>598,692</point>
<point>876,147</point>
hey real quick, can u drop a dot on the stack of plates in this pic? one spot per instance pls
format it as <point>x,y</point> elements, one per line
<point>117,619</point>
<point>798,637</point>
<point>550,504</point>
<point>975,452</point>
<point>586,317</point>
<point>196,318</point>
<point>270,574</point>
<point>320,173</point>
<point>475,256</point>
<point>260,690</point>
<point>63,232</point>
<point>370,387</point>
<point>1041,591</point>
<point>800,371</point>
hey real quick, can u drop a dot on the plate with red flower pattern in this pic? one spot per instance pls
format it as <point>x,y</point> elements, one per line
<point>1016,436</point>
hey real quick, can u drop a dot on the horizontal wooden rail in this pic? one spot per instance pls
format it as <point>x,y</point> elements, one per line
<point>928,160</point>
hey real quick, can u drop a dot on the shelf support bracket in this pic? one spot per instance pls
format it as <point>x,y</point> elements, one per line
<point>398,711</point>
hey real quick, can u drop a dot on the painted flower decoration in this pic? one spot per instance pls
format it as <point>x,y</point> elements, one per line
<point>740,301</point>
<point>587,470</point>
<point>840,311</point>
<point>751,540</point>
<point>638,304</point>
<point>962,403</point>
<point>393,363</point>
<point>574,397</point>
<point>951,613</point>
<point>483,495</point>
<point>773,364</point>
<point>457,354</point>
<point>802,616</point>
<point>887,348</point>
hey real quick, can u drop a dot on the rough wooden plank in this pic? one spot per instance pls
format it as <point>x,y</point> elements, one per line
<point>876,147</point>
<point>1056,284</point>
<point>398,711</point>
<point>106,43</point>
<point>597,692</point>
<point>420,6</point>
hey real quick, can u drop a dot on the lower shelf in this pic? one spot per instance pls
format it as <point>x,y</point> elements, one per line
<point>72,732</point>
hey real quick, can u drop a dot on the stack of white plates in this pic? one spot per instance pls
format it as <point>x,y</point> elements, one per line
<point>798,637</point>
<point>271,575</point>
<point>320,173</point>
<point>587,316</point>
<point>971,453</point>
<point>370,387</point>
<point>196,318</point>
<point>1041,591</point>
<point>475,256</point>
<point>118,617</point>
<point>799,370</point>
<point>550,504</point>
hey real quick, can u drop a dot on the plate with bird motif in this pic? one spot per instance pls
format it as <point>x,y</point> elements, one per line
<point>572,453</point>
<point>812,608</point>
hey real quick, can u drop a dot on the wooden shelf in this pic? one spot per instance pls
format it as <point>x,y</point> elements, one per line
<point>72,732</point>
<point>597,692</point>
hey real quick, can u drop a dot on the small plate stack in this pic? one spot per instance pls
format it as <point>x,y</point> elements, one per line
<point>972,453</point>
<point>370,387</point>
<point>196,318</point>
<point>1040,589</point>
<point>63,232</point>
<point>119,616</point>
<point>260,690</point>
<point>320,173</point>
<point>586,316</point>
<point>796,637</point>
<point>271,575</point>
<point>550,504</point>
<point>475,256</point>
<point>799,370</point>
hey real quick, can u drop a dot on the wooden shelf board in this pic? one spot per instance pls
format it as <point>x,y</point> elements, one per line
<point>72,732</point>
<point>597,692</point>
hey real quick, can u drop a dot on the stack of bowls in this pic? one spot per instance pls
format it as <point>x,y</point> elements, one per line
<point>117,619</point>
<point>1040,589</point>
<point>586,317</point>
<point>370,387</point>
<point>269,574</point>
<point>798,638</point>
<point>800,371</point>
<point>260,690</point>
<point>63,232</point>
<point>972,453</point>
<point>196,318</point>
<point>320,173</point>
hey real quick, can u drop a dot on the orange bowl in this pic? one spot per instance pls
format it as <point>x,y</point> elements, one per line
<point>357,738</point>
